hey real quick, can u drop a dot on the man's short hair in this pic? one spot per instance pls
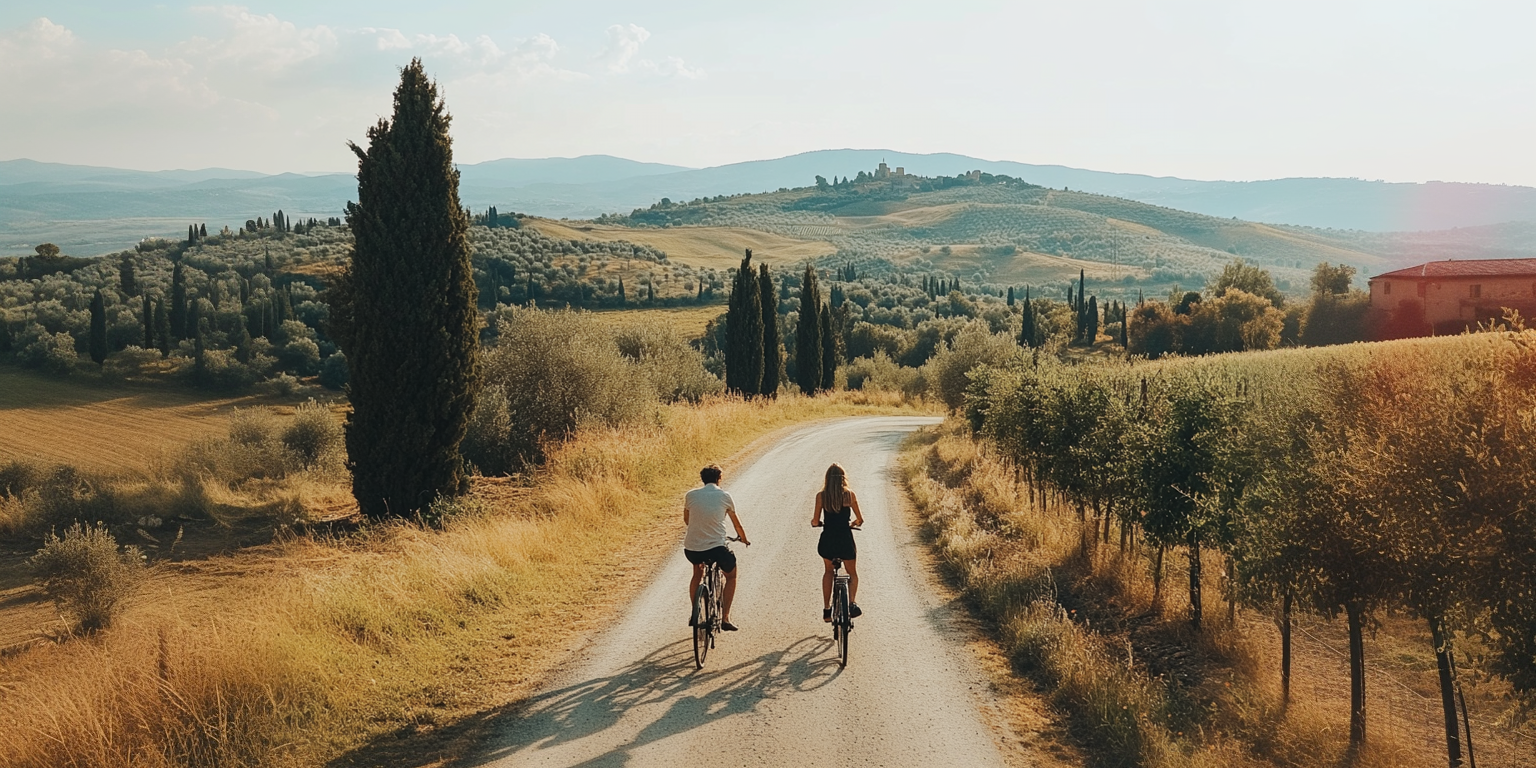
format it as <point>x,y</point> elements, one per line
<point>710,474</point>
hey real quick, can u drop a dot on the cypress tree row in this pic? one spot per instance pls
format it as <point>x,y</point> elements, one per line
<point>404,314</point>
<point>744,332</point>
<point>98,328</point>
<point>829,350</point>
<point>773,348</point>
<point>808,335</point>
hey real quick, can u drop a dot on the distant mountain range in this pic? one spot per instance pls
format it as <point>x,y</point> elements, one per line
<point>58,203</point>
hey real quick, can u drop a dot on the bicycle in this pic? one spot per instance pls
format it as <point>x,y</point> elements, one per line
<point>706,611</point>
<point>842,620</point>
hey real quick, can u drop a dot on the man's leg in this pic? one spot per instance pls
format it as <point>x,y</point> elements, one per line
<point>730,593</point>
<point>693,586</point>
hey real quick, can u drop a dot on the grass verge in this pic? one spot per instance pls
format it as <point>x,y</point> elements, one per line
<point>394,646</point>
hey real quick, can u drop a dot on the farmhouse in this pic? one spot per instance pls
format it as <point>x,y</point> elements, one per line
<point>1450,296</point>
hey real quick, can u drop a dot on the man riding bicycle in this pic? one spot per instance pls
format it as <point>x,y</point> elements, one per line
<point>704,512</point>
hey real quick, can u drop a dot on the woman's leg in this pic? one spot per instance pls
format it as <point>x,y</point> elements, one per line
<point>853,580</point>
<point>826,585</point>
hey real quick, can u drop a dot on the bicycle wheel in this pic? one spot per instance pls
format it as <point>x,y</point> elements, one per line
<point>701,626</point>
<point>841,623</point>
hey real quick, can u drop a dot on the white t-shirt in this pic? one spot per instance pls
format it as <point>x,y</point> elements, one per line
<point>708,509</point>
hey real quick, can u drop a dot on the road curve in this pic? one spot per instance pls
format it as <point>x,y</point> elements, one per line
<point>772,694</point>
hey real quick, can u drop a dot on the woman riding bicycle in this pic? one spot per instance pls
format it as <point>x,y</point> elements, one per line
<point>837,514</point>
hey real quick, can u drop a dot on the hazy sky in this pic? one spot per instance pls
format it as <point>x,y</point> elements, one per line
<point>1218,89</point>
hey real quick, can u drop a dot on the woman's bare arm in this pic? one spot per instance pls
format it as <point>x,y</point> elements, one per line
<point>858,517</point>
<point>816,513</point>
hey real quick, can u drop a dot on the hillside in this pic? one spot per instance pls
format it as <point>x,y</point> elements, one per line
<point>995,232</point>
<point>91,210</point>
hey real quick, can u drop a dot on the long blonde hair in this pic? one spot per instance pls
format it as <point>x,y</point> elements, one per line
<point>834,494</point>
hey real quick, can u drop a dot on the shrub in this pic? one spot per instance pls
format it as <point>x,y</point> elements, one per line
<point>222,371</point>
<point>52,352</point>
<point>130,362</point>
<point>87,575</point>
<point>974,345</point>
<point>556,371</point>
<point>314,437</point>
<point>282,385</point>
<point>252,450</point>
<point>486,444</point>
<point>673,367</point>
<point>880,374</point>
<point>334,372</point>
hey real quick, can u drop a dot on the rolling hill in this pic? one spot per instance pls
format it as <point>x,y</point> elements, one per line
<point>59,203</point>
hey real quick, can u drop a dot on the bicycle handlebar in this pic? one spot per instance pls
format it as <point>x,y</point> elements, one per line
<point>735,538</point>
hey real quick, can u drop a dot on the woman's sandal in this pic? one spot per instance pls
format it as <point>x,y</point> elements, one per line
<point>826,614</point>
<point>853,611</point>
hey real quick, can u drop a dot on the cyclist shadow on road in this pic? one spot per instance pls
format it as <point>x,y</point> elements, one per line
<point>663,695</point>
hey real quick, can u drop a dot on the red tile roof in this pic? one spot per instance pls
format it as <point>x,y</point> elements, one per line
<point>1468,268</point>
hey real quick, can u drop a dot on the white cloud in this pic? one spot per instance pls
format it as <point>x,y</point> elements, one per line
<point>261,43</point>
<point>673,66</point>
<point>620,55</point>
<point>624,41</point>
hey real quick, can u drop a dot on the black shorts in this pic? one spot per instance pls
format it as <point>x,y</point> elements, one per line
<point>723,556</point>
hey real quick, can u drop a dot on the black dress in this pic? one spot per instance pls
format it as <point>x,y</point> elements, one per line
<point>836,537</point>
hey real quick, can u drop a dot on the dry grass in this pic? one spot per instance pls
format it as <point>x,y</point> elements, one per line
<point>311,650</point>
<point>97,426</point>
<point>1138,686</point>
<point>713,247</point>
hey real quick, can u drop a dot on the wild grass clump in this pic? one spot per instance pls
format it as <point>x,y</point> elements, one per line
<point>86,575</point>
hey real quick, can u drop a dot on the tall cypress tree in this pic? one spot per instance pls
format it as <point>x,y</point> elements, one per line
<point>98,328</point>
<point>149,324</point>
<point>1027,337</point>
<point>404,314</point>
<point>621,292</point>
<point>126,279</point>
<point>830,353</point>
<point>744,332</point>
<point>1010,295</point>
<point>190,331</point>
<point>773,347</point>
<point>808,335</point>
<point>178,301</point>
<point>162,328</point>
<point>1091,327</point>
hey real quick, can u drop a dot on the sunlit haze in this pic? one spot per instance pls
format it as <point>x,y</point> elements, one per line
<point>1402,91</point>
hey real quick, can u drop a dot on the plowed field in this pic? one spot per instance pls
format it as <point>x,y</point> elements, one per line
<point>99,426</point>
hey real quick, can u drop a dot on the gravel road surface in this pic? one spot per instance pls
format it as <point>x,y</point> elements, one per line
<point>772,693</point>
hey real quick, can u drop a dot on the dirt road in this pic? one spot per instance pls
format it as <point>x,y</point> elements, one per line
<point>772,694</point>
